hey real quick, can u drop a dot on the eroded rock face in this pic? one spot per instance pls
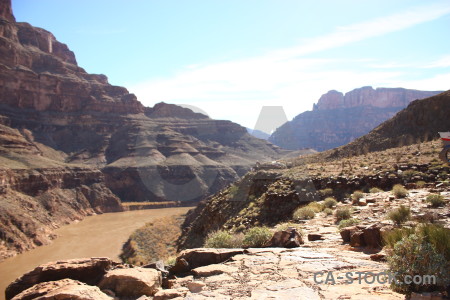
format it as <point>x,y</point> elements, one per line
<point>88,270</point>
<point>59,123</point>
<point>338,119</point>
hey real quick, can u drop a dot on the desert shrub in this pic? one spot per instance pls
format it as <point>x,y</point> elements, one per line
<point>348,222</point>
<point>414,256</point>
<point>328,211</point>
<point>286,225</point>
<point>257,237</point>
<point>326,192</point>
<point>435,200</point>
<point>222,239</point>
<point>329,202</point>
<point>356,196</point>
<point>343,213</point>
<point>399,191</point>
<point>170,261</point>
<point>316,206</point>
<point>420,184</point>
<point>399,215</point>
<point>303,213</point>
<point>375,190</point>
<point>390,238</point>
<point>233,190</point>
<point>437,236</point>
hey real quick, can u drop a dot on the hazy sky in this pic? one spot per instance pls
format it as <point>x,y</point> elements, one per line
<point>232,57</point>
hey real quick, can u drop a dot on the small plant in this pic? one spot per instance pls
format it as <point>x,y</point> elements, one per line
<point>328,211</point>
<point>420,184</point>
<point>375,190</point>
<point>287,225</point>
<point>399,215</point>
<point>435,200</point>
<point>399,191</point>
<point>348,222</point>
<point>170,261</point>
<point>343,213</point>
<point>232,191</point>
<point>356,196</point>
<point>413,256</point>
<point>330,202</point>
<point>257,237</point>
<point>326,192</point>
<point>222,239</point>
<point>303,213</point>
<point>316,206</point>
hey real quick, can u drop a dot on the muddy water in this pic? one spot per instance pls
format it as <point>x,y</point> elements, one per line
<point>101,235</point>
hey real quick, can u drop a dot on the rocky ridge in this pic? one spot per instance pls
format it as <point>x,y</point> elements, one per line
<point>338,119</point>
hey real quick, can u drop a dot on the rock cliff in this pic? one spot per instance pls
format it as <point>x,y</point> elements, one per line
<point>338,119</point>
<point>71,138</point>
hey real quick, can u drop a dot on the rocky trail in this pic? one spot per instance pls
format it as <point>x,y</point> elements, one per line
<point>324,266</point>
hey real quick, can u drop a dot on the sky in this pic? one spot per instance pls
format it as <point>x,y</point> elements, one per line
<point>232,58</point>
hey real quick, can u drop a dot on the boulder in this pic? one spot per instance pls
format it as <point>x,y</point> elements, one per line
<point>194,258</point>
<point>315,237</point>
<point>195,286</point>
<point>87,270</point>
<point>347,232</point>
<point>211,270</point>
<point>372,236</point>
<point>62,289</point>
<point>132,282</point>
<point>357,239</point>
<point>289,238</point>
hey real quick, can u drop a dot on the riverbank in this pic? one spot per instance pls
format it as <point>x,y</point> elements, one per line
<point>95,236</point>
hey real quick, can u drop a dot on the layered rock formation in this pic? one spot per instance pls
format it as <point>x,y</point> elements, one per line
<point>71,138</point>
<point>338,119</point>
<point>420,121</point>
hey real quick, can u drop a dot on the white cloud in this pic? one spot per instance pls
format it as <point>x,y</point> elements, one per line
<point>237,89</point>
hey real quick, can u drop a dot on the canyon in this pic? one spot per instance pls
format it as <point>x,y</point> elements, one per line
<point>74,145</point>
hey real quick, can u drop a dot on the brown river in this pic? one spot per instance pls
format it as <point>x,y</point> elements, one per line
<point>100,235</point>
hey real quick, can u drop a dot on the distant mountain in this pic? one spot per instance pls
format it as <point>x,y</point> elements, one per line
<point>258,134</point>
<point>338,119</point>
<point>420,121</point>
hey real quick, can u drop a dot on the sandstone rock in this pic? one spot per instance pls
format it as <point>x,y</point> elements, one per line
<point>170,294</point>
<point>380,256</point>
<point>357,239</point>
<point>289,238</point>
<point>372,236</point>
<point>314,237</point>
<point>133,282</point>
<point>195,286</point>
<point>87,270</point>
<point>347,232</point>
<point>62,289</point>
<point>211,270</point>
<point>194,258</point>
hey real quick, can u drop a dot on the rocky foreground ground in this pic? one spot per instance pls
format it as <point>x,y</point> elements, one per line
<point>328,264</point>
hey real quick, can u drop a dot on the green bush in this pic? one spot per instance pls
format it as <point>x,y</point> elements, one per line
<point>326,192</point>
<point>390,238</point>
<point>328,211</point>
<point>303,213</point>
<point>348,222</point>
<point>286,225</point>
<point>420,184</point>
<point>356,196</point>
<point>414,256</point>
<point>435,200</point>
<point>399,215</point>
<point>375,190</point>
<point>223,239</point>
<point>343,213</point>
<point>257,237</point>
<point>316,206</point>
<point>329,202</point>
<point>399,191</point>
